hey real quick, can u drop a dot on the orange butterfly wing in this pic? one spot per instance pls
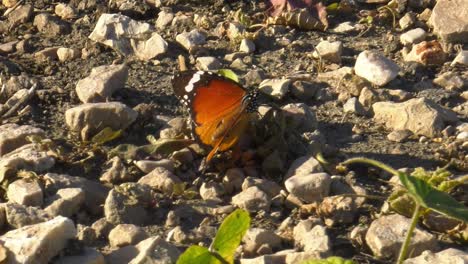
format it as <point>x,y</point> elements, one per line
<point>217,111</point>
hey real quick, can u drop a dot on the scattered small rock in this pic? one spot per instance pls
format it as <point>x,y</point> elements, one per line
<point>247,46</point>
<point>413,36</point>
<point>461,58</point>
<point>126,204</point>
<point>399,135</point>
<point>88,119</point>
<point>87,256</point>
<point>147,166</point>
<point>276,88</point>
<point>38,243</point>
<point>51,25</point>
<point>116,173</point>
<point>427,53</point>
<point>160,179</point>
<point>421,116</point>
<point>329,51</point>
<point>18,215</point>
<point>66,202</point>
<point>375,68</point>
<point>208,63</point>
<point>309,188</point>
<point>300,117</point>
<point>312,237</point>
<point>387,233</point>
<point>13,136</point>
<point>126,234</point>
<point>128,37</point>
<point>192,39</point>
<point>65,11</point>
<point>165,17</point>
<point>354,106</point>
<point>102,82</point>
<point>450,22</point>
<point>259,239</point>
<point>252,199</point>
<point>26,192</point>
<point>407,21</point>
<point>303,166</point>
<point>447,256</point>
<point>67,54</point>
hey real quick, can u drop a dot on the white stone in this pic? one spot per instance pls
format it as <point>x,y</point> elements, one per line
<point>449,19</point>
<point>413,36</point>
<point>461,58</point>
<point>387,233</point>
<point>344,27</point>
<point>126,234</point>
<point>13,136</point>
<point>247,46</point>
<point>447,256</point>
<point>252,199</point>
<point>329,51</point>
<point>375,67</point>
<point>128,37</point>
<point>25,192</point>
<point>67,54</point>
<point>304,165</point>
<point>38,243</point>
<point>208,63</point>
<point>276,88</point>
<point>66,202</point>
<point>312,237</point>
<point>420,116</point>
<point>191,39</point>
<point>164,19</point>
<point>309,188</point>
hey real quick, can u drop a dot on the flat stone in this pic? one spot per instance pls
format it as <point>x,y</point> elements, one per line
<point>329,51</point>
<point>8,47</point>
<point>275,88</point>
<point>252,199</point>
<point>452,81</point>
<point>13,136</point>
<point>300,117</point>
<point>345,27</point>
<point>450,21</point>
<point>66,202</point>
<point>94,117</point>
<point>38,243</point>
<point>387,233</point>
<point>304,90</point>
<point>407,21</point>
<point>337,210</point>
<point>420,116</point>
<point>126,234</point>
<point>211,191</point>
<point>310,187</point>
<point>375,68</point>
<point>46,54</point>
<point>413,36</point>
<point>25,192</point>
<point>147,166</point>
<point>101,83</point>
<point>128,37</point>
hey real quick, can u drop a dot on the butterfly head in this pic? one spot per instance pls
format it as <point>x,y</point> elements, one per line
<point>250,101</point>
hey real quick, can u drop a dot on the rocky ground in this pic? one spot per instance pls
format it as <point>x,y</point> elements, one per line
<point>95,165</point>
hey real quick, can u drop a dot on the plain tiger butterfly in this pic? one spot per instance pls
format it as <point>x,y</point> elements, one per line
<point>220,109</point>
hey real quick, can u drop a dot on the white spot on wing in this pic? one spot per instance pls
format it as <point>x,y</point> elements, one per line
<point>196,77</point>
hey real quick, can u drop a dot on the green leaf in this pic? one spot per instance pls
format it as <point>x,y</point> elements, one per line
<point>229,74</point>
<point>230,234</point>
<point>197,255</point>
<point>333,7</point>
<point>166,146</point>
<point>330,260</point>
<point>106,135</point>
<point>429,197</point>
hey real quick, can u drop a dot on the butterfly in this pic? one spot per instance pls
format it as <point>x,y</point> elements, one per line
<point>220,108</point>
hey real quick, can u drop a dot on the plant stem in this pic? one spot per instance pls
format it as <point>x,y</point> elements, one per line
<point>409,234</point>
<point>372,162</point>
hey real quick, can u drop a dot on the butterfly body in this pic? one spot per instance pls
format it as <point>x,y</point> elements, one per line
<point>220,109</point>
